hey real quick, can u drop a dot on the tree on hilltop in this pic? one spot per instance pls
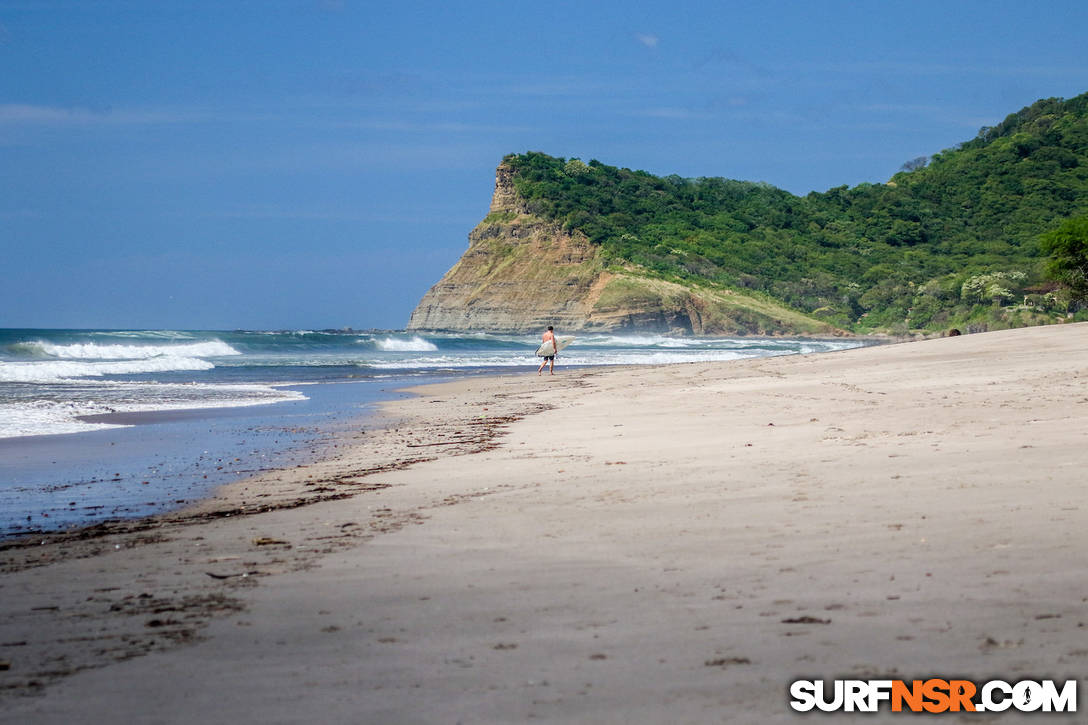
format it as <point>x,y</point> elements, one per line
<point>914,164</point>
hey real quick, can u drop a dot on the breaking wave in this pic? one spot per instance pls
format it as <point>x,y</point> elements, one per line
<point>57,371</point>
<point>96,351</point>
<point>415,344</point>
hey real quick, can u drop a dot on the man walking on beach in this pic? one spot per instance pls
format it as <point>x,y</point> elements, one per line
<point>549,335</point>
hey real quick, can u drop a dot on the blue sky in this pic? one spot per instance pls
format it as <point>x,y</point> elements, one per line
<point>319,163</point>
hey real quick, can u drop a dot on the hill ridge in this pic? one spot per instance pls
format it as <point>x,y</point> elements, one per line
<point>948,242</point>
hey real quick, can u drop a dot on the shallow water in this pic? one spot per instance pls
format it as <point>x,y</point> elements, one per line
<point>163,460</point>
<point>98,424</point>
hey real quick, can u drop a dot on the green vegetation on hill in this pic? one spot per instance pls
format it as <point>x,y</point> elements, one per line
<point>951,242</point>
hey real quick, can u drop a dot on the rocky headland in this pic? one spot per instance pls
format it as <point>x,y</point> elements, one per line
<point>522,272</point>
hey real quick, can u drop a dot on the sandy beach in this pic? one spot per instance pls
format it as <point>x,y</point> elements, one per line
<point>668,544</point>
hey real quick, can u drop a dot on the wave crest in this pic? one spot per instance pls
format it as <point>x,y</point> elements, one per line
<point>415,344</point>
<point>95,351</point>
<point>58,371</point>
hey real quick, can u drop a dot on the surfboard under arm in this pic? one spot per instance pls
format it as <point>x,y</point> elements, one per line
<point>548,348</point>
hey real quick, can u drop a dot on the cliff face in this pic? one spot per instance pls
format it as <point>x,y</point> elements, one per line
<point>522,273</point>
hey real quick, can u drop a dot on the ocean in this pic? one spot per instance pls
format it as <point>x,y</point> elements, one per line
<point>101,424</point>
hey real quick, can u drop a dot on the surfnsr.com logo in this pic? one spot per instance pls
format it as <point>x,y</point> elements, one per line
<point>933,696</point>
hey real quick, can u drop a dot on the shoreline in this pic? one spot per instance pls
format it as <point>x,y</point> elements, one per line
<point>204,592</point>
<point>231,498</point>
<point>153,462</point>
<point>625,492</point>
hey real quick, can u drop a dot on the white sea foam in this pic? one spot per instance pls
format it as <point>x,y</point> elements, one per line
<point>639,341</point>
<point>703,343</point>
<point>145,334</point>
<point>95,351</point>
<point>415,344</point>
<point>615,357</point>
<point>58,371</point>
<point>42,417</point>
<point>653,357</point>
<point>46,417</point>
<point>48,384</point>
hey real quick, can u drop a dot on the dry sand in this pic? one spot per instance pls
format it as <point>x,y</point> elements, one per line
<point>653,545</point>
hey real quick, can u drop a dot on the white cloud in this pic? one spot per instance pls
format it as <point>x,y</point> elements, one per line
<point>650,41</point>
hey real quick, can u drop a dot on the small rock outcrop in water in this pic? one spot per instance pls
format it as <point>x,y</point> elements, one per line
<point>522,273</point>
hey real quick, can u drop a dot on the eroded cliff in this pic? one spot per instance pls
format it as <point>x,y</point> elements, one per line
<point>521,273</point>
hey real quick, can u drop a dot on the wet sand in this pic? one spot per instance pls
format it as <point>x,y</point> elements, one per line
<point>672,544</point>
<point>164,460</point>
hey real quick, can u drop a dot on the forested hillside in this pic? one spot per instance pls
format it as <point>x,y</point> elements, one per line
<point>949,241</point>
